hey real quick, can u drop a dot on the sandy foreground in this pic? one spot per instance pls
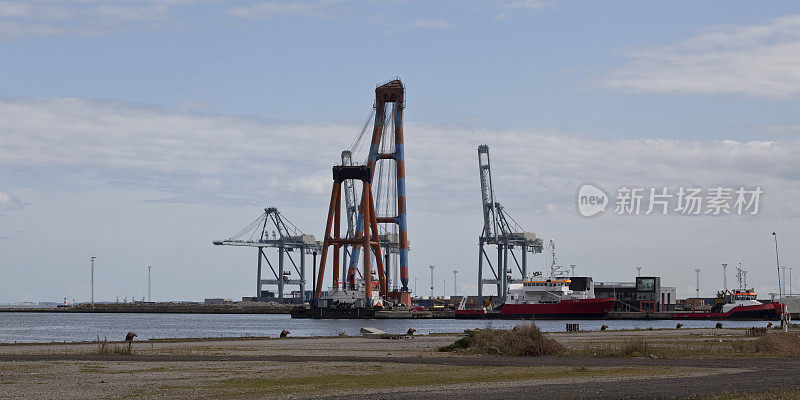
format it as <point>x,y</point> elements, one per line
<point>684,363</point>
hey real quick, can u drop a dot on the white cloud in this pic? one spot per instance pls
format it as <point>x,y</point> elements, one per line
<point>431,23</point>
<point>761,60</point>
<point>115,14</point>
<point>14,9</point>
<point>270,9</point>
<point>524,5</point>
<point>20,19</point>
<point>14,30</point>
<point>247,158</point>
<point>9,203</point>
<point>508,8</point>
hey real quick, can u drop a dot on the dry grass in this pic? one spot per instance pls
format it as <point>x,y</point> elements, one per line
<point>771,344</point>
<point>352,381</point>
<point>523,340</point>
<point>103,347</point>
<point>633,348</point>
<point>784,343</point>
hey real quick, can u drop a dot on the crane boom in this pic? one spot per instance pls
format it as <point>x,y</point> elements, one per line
<point>487,193</point>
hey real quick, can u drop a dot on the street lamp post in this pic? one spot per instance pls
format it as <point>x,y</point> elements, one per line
<point>432,267</point>
<point>92,283</point>
<point>724,278</point>
<point>783,276</point>
<point>780,291</point>
<point>455,282</point>
<point>697,272</point>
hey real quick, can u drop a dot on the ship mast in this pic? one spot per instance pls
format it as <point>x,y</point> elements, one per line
<point>553,259</point>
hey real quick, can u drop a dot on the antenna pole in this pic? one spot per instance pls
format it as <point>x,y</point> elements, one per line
<point>149,298</point>
<point>92,284</point>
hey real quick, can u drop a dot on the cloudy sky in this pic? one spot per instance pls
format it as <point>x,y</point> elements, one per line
<point>140,131</point>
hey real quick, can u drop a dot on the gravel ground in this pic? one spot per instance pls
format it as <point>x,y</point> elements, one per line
<point>246,368</point>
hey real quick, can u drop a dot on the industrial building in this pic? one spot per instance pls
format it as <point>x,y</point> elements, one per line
<point>644,294</point>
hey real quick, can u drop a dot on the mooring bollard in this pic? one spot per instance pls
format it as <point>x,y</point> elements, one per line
<point>572,327</point>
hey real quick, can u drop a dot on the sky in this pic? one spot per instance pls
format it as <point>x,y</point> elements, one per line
<point>139,131</point>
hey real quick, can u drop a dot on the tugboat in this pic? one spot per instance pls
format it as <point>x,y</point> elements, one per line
<point>738,304</point>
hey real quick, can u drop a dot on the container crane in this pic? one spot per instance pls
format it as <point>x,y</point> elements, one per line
<point>500,230</point>
<point>373,211</point>
<point>286,238</point>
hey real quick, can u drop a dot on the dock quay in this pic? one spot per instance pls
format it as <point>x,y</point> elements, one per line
<point>161,308</point>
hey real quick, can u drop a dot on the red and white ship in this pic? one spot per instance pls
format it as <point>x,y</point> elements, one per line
<point>738,304</point>
<point>557,297</point>
<point>544,299</point>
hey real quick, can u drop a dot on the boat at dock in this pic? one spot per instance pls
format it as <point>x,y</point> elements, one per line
<point>543,299</point>
<point>552,298</point>
<point>737,304</point>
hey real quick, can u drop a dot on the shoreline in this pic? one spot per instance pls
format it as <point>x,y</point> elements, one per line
<point>200,339</point>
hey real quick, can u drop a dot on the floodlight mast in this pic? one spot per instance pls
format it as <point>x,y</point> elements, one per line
<point>92,283</point>
<point>697,271</point>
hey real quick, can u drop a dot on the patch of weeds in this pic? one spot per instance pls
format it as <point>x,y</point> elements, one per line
<point>462,343</point>
<point>633,348</point>
<point>103,347</point>
<point>522,340</point>
<point>782,343</point>
<point>92,368</point>
<point>636,348</point>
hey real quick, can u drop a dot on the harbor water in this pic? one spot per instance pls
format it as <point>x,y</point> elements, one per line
<point>75,327</point>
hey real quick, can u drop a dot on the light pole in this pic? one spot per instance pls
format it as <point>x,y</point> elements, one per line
<point>415,284</point>
<point>725,278</point>
<point>783,267</point>
<point>638,271</point>
<point>790,282</point>
<point>432,267</point>
<point>573,269</point>
<point>697,271</point>
<point>455,281</point>
<point>780,292</point>
<point>149,299</point>
<point>92,284</point>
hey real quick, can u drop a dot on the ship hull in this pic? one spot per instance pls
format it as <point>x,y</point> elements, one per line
<point>768,311</point>
<point>564,309</point>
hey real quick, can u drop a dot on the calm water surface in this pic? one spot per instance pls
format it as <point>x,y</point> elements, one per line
<point>58,327</point>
